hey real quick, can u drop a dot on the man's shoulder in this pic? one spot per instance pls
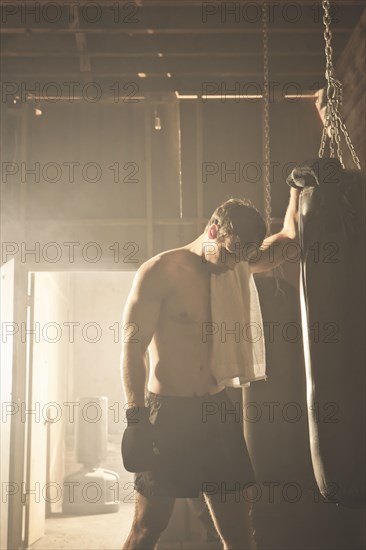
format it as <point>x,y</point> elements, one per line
<point>168,262</point>
<point>160,271</point>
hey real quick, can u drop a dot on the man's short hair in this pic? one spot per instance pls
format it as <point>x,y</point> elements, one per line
<point>239,217</point>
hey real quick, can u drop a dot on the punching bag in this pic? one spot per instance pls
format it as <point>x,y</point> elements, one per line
<point>276,427</point>
<point>332,238</point>
<point>275,413</point>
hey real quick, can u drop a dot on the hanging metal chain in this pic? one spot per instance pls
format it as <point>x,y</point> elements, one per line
<point>333,122</point>
<point>266,134</point>
<point>277,272</point>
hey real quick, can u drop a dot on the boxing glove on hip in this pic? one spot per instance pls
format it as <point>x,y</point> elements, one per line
<point>139,449</point>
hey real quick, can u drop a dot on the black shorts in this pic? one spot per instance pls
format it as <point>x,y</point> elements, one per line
<point>202,447</point>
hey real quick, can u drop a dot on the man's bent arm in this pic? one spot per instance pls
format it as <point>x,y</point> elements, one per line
<point>140,317</point>
<point>271,252</point>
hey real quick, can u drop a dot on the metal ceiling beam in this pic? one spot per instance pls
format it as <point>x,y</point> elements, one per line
<point>170,3</point>
<point>219,75</point>
<point>170,31</point>
<point>291,53</point>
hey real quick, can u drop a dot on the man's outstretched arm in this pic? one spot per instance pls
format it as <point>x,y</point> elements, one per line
<point>272,252</point>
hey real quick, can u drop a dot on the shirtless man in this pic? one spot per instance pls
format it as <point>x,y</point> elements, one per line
<point>169,301</point>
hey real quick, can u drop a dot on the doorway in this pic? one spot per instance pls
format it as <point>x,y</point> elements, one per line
<point>74,346</point>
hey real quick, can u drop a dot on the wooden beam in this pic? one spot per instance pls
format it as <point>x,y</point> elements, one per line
<point>148,180</point>
<point>173,31</point>
<point>168,3</point>
<point>169,55</point>
<point>199,161</point>
<point>80,38</point>
<point>220,76</point>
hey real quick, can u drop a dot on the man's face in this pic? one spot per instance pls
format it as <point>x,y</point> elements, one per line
<point>222,255</point>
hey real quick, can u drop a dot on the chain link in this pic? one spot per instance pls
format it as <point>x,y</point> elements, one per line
<point>266,130</point>
<point>333,122</point>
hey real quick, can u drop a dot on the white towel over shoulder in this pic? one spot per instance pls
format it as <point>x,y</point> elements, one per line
<point>238,349</point>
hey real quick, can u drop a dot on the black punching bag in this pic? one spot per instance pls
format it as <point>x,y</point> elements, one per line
<point>332,237</point>
<point>276,427</point>
<point>275,414</point>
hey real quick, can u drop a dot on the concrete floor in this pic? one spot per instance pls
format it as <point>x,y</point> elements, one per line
<point>304,526</point>
<point>109,531</point>
<point>93,532</point>
<point>96,532</point>
<point>100,532</point>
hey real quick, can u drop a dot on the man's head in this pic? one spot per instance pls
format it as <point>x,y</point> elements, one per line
<point>237,228</point>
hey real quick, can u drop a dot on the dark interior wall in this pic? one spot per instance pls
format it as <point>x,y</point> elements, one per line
<point>351,72</point>
<point>103,173</point>
<point>234,135</point>
<point>295,137</point>
<point>106,145</point>
<point>231,163</point>
<point>232,143</point>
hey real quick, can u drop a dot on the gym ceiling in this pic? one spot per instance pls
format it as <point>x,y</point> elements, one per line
<point>169,45</point>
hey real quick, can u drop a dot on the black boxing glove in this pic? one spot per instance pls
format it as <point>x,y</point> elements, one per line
<point>138,416</point>
<point>138,448</point>
<point>315,172</point>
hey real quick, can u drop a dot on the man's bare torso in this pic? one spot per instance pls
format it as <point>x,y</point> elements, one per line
<point>179,359</point>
